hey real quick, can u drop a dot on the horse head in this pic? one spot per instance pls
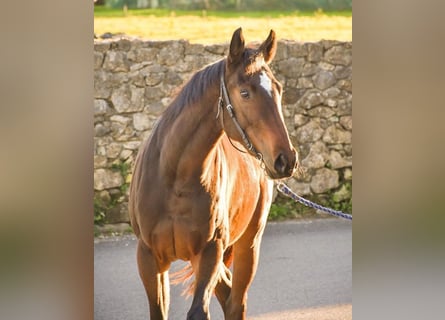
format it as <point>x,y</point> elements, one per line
<point>255,95</point>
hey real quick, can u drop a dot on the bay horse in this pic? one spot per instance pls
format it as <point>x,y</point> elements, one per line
<point>203,181</point>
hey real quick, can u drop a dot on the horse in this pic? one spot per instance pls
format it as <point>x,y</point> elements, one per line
<point>203,181</point>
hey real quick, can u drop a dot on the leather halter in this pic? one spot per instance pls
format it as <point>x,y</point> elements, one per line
<point>224,98</point>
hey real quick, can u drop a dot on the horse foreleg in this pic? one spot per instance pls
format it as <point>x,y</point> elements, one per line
<point>206,267</point>
<point>223,286</point>
<point>154,276</point>
<point>246,254</point>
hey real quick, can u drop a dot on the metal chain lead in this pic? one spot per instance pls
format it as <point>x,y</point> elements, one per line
<point>288,192</point>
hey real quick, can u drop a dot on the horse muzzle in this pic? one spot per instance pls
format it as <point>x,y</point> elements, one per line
<point>284,165</point>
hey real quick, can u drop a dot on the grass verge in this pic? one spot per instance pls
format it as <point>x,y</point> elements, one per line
<point>210,27</point>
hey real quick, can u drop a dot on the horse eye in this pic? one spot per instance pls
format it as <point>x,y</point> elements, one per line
<point>245,94</point>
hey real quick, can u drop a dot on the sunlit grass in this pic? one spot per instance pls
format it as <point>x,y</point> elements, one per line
<point>217,27</point>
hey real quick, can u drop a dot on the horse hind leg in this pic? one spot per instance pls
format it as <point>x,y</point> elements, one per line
<point>154,276</point>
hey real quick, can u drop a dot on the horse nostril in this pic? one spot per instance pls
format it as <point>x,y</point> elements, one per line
<point>281,164</point>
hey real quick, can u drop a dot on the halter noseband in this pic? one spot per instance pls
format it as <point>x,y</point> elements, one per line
<point>224,97</point>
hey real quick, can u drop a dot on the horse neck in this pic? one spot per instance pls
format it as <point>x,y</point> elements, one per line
<point>191,137</point>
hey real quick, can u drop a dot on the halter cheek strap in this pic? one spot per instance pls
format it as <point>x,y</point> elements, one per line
<point>224,98</point>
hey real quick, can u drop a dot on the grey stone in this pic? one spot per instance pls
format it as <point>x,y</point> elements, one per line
<point>345,84</point>
<point>315,52</point>
<point>291,67</point>
<point>281,53</point>
<point>331,103</point>
<point>194,49</point>
<point>124,135</point>
<point>104,196</point>
<point>300,120</point>
<point>346,122</point>
<point>334,135</point>
<point>116,61</point>
<point>117,129</point>
<point>120,119</point>
<point>305,83</point>
<point>100,107</point>
<point>106,179</point>
<point>310,99</point>
<point>101,45</point>
<point>136,78</point>
<point>155,108</point>
<point>173,78</point>
<point>154,79</point>
<point>338,55</point>
<point>142,54</point>
<point>113,150</point>
<point>290,96</point>
<point>98,59</point>
<point>140,66</point>
<point>344,107</point>
<point>118,214</point>
<point>128,99</point>
<point>297,49</point>
<point>309,69</point>
<point>337,161</point>
<point>100,161</point>
<point>317,157</point>
<point>153,93</point>
<point>321,112</point>
<point>300,188</point>
<point>132,145</point>
<point>171,54</point>
<point>123,44</point>
<point>324,80</point>
<point>326,66</point>
<point>141,121</point>
<point>324,180</point>
<point>125,154</point>
<point>100,130</point>
<point>102,87</point>
<point>342,72</point>
<point>331,92</point>
<point>327,44</point>
<point>310,132</point>
<point>216,49</point>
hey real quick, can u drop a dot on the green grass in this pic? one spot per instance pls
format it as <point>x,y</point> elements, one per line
<point>284,208</point>
<point>217,26</point>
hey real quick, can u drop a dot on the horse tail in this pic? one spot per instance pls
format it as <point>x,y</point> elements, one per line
<point>185,275</point>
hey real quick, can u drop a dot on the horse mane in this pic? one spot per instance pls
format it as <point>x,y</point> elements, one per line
<point>204,79</point>
<point>194,90</point>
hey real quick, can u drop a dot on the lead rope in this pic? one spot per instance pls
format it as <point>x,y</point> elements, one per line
<point>289,193</point>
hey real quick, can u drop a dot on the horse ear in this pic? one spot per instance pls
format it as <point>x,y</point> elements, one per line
<point>269,47</point>
<point>236,47</point>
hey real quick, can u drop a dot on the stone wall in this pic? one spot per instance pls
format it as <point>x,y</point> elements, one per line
<point>134,81</point>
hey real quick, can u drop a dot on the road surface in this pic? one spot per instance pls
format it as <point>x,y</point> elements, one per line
<point>304,273</point>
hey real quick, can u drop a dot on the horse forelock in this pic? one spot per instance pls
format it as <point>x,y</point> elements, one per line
<point>253,61</point>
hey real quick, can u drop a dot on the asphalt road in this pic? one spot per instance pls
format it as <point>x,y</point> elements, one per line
<point>305,272</point>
